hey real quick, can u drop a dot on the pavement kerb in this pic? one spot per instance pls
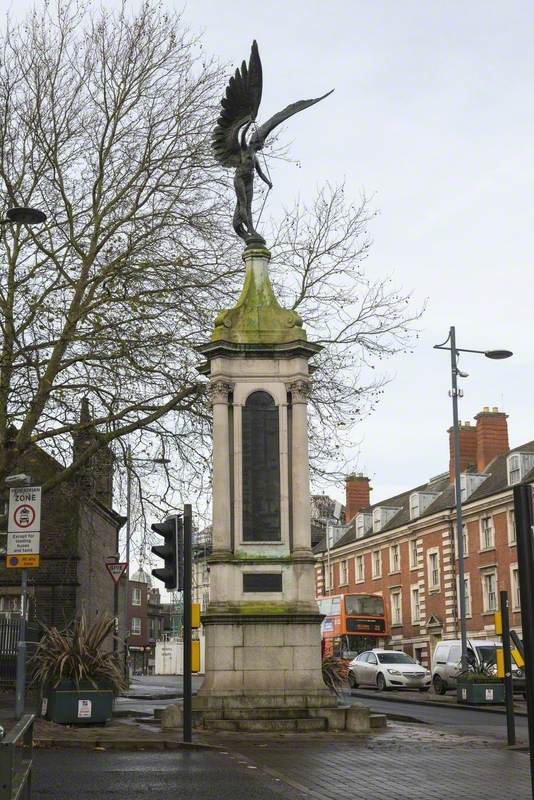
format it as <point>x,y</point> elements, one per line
<point>433,704</point>
<point>122,744</point>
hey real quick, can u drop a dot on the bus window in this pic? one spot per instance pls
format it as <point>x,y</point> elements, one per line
<point>364,604</point>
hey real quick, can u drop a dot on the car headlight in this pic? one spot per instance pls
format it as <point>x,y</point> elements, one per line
<point>427,672</point>
<point>394,672</point>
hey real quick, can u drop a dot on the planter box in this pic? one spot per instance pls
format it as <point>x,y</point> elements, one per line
<point>70,706</point>
<point>471,693</point>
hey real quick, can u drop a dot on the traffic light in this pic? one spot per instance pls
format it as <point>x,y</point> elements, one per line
<point>171,551</point>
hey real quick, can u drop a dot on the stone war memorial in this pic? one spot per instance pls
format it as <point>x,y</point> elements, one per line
<point>262,625</point>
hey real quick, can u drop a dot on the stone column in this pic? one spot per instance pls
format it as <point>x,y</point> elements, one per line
<point>218,394</point>
<point>300,468</point>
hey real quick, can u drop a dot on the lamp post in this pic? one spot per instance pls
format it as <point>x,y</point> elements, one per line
<point>129,459</point>
<point>455,393</point>
<point>22,216</point>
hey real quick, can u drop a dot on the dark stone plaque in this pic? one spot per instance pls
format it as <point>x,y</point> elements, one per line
<point>262,582</point>
<point>261,469</point>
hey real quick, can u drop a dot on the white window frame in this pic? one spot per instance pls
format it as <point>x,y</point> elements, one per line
<point>133,628</point>
<point>514,458</point>
<point>483,530</point>
<point>137,597</point>
<point>465,531</point>
<point>394,562</point>
<point>396,593</point>
<point>415,603</point>
<point>485,574</point>
<point>412,547</point>
<point>414,505</point>
<point>468,600</point>
<point>359,574</point>
<point>432,586</point>
<point>375,573</point>
<point>515,597</point>
<point>510,519</point>
<point>343,572</point>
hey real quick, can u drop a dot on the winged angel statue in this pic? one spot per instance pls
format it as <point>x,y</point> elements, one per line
<point>230,143</point>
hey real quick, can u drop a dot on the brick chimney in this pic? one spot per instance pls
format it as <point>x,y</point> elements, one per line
<point>357,493</point>
<point>468,447</point>
<point>492,436</point>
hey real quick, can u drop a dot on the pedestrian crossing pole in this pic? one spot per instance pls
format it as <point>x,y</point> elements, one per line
<point>187,718</point>
<point>524,519</point>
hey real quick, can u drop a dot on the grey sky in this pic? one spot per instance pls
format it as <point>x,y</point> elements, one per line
<point>433,115</point>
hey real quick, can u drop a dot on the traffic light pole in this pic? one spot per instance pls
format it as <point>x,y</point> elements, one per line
<point>524,520</point>
<point>508,680</point>
<point>187,718</point>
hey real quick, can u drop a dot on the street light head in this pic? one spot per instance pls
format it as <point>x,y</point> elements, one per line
<point>498,354</point>
<point>25,216</point>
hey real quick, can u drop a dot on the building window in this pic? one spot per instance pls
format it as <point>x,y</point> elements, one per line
<point>396,607</point>
<point>360,572</point>
<point>343,573</point>
<point>487,534</point>
<point>394,558</point>
<point>467,595</point>
<point>136,626</point>
<point>465,540</point>
<point>516,597</point>
<point>413,554</point>
<point>377,564</point>
<point>136,597</point>
<point>489,591</point>
<point>511,527</point>
<point>9,603</point>
<point>416,611</point>
<point>433,570</point>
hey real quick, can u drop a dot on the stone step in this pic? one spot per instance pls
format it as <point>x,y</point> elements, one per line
<point>266,713</point>
<point>300,725</point>
<point>377,721</point>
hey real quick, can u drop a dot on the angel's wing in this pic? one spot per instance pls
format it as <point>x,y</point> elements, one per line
<point>258,139</point>
<point>243,97</point>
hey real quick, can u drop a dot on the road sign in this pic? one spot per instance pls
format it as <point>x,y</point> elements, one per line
<point>24,526</point>
<point>116,569</point>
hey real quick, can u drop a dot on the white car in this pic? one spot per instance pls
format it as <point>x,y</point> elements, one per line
<point>388,669</point>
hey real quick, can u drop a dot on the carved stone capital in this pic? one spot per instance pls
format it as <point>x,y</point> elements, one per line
<point>218,391</point>
<point>300,391</point>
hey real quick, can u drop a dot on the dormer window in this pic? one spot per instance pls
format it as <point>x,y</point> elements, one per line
<point>381,516</point>
<point>419,502</point>
<point>519,464</point>
<point>364,523</point>
<point>469,482</point>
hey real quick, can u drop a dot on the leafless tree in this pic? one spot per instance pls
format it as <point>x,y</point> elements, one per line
<point>105,122</point>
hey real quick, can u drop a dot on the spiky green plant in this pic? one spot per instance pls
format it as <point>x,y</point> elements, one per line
<point>78,654</point>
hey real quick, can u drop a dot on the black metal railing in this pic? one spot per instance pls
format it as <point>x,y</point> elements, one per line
<point>9,637</point>
<point>16,750</point>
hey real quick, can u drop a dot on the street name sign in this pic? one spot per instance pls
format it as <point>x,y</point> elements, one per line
<point>116,569</point>
<point>24,527</point>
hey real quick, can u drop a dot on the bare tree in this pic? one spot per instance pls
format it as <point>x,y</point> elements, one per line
<point>105,125</point>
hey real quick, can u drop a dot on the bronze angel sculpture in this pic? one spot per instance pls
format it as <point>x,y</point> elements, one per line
<point>232,147</point>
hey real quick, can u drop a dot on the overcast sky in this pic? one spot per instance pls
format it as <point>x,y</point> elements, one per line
<point>433,116</point>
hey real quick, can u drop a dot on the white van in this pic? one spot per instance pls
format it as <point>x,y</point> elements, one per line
<point>447,660</point>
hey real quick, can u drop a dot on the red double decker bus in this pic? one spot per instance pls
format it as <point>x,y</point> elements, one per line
<point>352,623</point>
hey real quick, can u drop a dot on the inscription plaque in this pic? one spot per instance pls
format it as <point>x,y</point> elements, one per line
<point>262,582</point>
<point>261,469</point>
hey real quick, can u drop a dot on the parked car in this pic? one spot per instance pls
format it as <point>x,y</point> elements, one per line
<point>388,669</point>
<point>481,656</point>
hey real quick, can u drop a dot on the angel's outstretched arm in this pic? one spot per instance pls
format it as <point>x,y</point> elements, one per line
<point>263,176</point>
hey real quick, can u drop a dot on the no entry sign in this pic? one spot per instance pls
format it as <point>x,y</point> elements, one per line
<point>24,526</point>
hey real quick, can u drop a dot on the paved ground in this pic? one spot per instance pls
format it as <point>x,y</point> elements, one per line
<point>485,724</point>
<point>409,762</point>
<point>204,775</point>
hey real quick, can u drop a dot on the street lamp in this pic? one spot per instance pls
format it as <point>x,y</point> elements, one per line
<point>128,462</point>
<point>454,393</point>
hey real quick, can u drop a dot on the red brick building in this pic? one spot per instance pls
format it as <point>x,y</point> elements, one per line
<point>404,547</point>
